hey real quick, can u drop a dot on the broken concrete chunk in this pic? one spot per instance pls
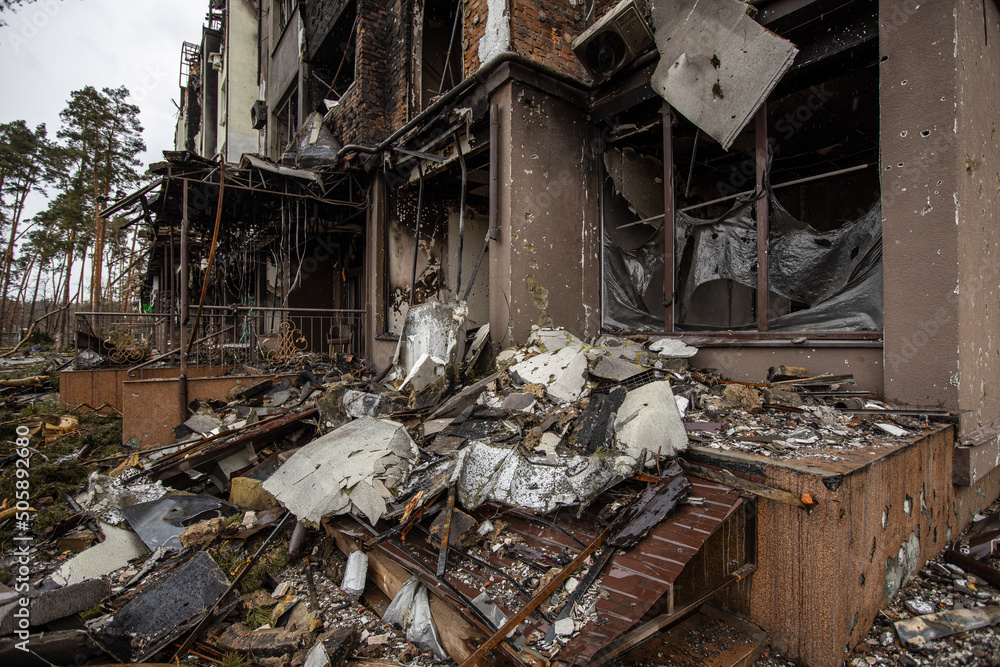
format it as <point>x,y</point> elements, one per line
<point>118,548</point>
<point>565,627</point>
<point>321,478</point>
<point>202,534</point>
<point>463,529</point>
<point>425,370</point>
<point>615,369</point>
<point>553,340</point>
<point>249,493</point>
<point>563,373</point>
<point>361,404</point>
<point>673,348</point>
<point>50,605</point>
<point>748,397</point>
<point>519,402</point>
<point>317,656</point>
<point>648,424</point>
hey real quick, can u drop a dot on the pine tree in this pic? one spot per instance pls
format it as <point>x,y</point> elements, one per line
<point>104,138</point>
<point>28,160</point>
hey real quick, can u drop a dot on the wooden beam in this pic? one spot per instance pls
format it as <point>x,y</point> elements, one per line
<point>459,637</point>
<point>729,479</point>
<point>762,219</point>
<point>540,597</point>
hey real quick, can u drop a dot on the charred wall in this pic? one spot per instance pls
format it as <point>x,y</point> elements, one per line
<point>545,268</point>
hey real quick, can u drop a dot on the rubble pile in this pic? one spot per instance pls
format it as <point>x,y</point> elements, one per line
<point>947,614</point>
<point>323,517</point>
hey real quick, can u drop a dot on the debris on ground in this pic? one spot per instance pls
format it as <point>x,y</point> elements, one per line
<point>544,512</point>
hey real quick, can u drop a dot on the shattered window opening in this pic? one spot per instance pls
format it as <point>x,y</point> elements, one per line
<point>335,63</point>
<point>438,50</point>
<point>822,209</point>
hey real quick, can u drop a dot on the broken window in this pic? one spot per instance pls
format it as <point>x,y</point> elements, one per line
<point>286,119</point>
<point>438,50</point>
<point>284,12</point>
<point>333,64</point>
<point>782,231</point>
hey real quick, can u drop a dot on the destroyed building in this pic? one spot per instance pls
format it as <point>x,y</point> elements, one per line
<point>829,171</point>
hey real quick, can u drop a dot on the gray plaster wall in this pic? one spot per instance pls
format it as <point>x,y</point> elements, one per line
<point>978,187</point>
<point>919,164</point>
<point>545,268</point>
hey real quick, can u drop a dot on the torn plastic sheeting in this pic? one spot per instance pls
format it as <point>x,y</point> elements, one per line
<point>410,611</point>
<point>488,473</point>
<point>627,276</point>
<point>159,523</point>
<point>837,274</point>
<point>721,249</point>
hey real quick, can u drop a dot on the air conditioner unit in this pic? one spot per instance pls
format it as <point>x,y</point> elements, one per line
<point>215,60</point>
<point>258,115</point>
<point>614,41</point>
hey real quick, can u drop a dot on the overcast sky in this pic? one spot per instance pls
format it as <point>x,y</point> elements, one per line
<point>51,47</point>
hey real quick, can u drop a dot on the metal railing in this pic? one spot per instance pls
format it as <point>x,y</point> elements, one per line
<point>226,336</point>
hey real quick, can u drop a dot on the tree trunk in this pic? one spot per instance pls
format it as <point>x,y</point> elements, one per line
<point>64,315</point>
<point>23,189</point>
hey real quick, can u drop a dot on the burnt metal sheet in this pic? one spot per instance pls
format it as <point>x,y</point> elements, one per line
<point>159,523</point>
<point>164,611</point>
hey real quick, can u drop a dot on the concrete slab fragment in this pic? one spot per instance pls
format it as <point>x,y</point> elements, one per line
<point>562,372</point>
<point>673,348</point>
<point>51,605</point>
<point>321,478</point>
<point>648,422</point>
<point>118,548</point>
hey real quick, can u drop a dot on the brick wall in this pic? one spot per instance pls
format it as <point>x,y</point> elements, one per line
<point>376,103</point>
<point>543,30</point>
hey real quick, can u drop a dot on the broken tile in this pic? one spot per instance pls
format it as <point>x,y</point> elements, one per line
<point>673,348</point>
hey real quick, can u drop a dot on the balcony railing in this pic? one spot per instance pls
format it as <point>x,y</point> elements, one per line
<point>226,336</point>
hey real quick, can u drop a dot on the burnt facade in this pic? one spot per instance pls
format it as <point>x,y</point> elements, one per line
<point>847,225</point>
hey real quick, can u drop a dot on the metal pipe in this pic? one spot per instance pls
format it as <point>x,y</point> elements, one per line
<point>461,212</point>
<point>211,251</point>
<point>416,235</point>
<point>183,315</point>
